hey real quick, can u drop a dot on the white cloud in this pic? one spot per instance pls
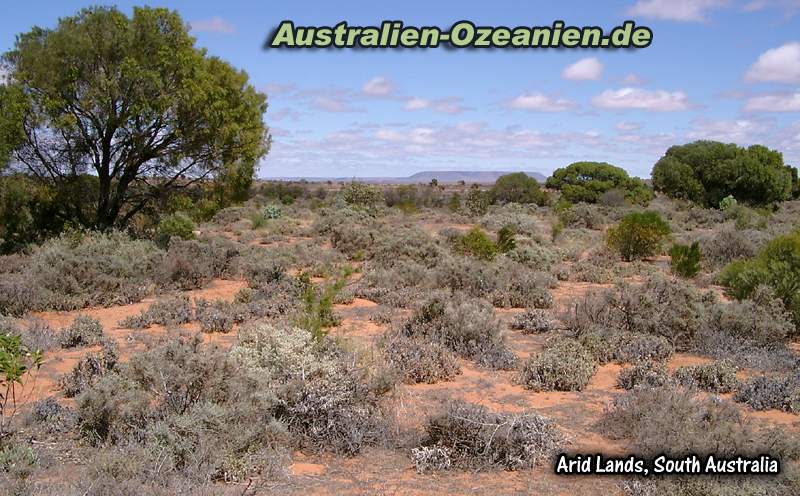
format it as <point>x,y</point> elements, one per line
<point>278,88</point>
<point>778,65</point>
<point>213,25</point>
<point>633,80</point>
<point>628,126</point>
<point>775,102</point>
<point>740,131</point>
<point>378,87</point>
<point>675,10</point>
<point>540,103</point>
<point>588,69</point>
<point>789,7</point>
<point>640,99</point>
<point>451,105</point>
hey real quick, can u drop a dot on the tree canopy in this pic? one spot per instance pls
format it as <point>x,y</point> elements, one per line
<point>518,187</point>
<point>588,181</point>
<point>131,102</point>
<point>708,171</point>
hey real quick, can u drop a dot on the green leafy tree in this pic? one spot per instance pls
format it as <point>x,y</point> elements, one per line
<point>12,134</point>
<point>638,235</point>
<point>518,188</point>
<point>134,103</point>
<point>685,259</point>
<point>589,181</point>
<point>708,171</point>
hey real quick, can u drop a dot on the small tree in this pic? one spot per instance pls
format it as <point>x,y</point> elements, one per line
<point>133,103</point>
<point>361,194</point>
<point>505,239</point>
<point>638,235</point>
<point>589,181</point>
<point>518,188</point>
<point>685,259</point>
<point>17,363</point>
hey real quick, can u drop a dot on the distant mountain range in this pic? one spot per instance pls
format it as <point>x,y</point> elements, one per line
<point>481,177</point>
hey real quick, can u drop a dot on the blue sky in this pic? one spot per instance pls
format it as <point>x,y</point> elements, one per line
<point>717,69</point>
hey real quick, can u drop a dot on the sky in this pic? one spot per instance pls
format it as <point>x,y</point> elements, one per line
<point>727,70</point>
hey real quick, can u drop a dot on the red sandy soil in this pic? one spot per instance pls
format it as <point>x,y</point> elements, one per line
<point>384,471</point>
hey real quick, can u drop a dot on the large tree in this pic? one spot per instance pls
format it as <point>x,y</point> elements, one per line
<point>131,102</point>
<point>708,171</point>
<point>588,181</point>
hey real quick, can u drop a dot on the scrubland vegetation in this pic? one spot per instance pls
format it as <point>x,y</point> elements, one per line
<point>183,329</point>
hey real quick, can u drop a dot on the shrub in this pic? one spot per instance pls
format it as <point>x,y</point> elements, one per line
<point>532,322</point>
<point>533,256</point>
<point>588,181</point>
<point>766,393</point>
<point>174,225</point>
<point>762,319</point>
<point>323,396</point>
<point>361,194</point>
<point>477,201</point>
<point>468,327</point>
<point>726,245</point>
<point>706,172</point>
<point>685,259</point>
<point>477,244</point>
<point>677,422</point>
<point>582,215</point>
<point>36,335</point>
<point>638,235</point>
<point>505,239</point>
<point>79,270</point>
<point>89,370</point>
<point>517,187</point>
<point>84,331</point>
<point>218,315</point>
<point>727,203</point>
<point>716,377</point>
<point>647,374</point>
<point>564,366</point>
<point>17,363</point>
<point>420,360</point>
<point>166,311</point>
<point>272,212</point>
<point>469,436</point>
<point>777,265</point>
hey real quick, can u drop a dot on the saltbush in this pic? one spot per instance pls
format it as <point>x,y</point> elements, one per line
<point>84,331</point>
<point>766,393</point>
<point>419,360</point>
<point>563,366</point>
<point>470,436</point>
<point>532,321</point>
<point>715,377</point>
<point>647,374</point>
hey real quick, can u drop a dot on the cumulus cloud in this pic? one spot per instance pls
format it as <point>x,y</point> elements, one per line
<point>740,131</point>
<point>777,65</point>
<point>675,10</point>
<point>539,102</point>
<point>588,69</point>
<point>451,105</point>
<point>212,25</point>
<point>775,102</point>
<point>379,87</point>
<point>641,99</point>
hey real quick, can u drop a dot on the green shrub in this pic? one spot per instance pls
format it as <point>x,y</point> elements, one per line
<point>272,212</point>
<point>685,259</point>
<point>174,225</point>
<point>518,187</point>
<point>477,244</point>
<point>505,239</point>
<point>707,172</point>
<point>728,203</point>
<point>564,366</point>
<point>589,181</point>
<point>361,194</point>
<point>638,235</point>
<point>777,265</point>
<point>17,364</point>
<point>471,437</point>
